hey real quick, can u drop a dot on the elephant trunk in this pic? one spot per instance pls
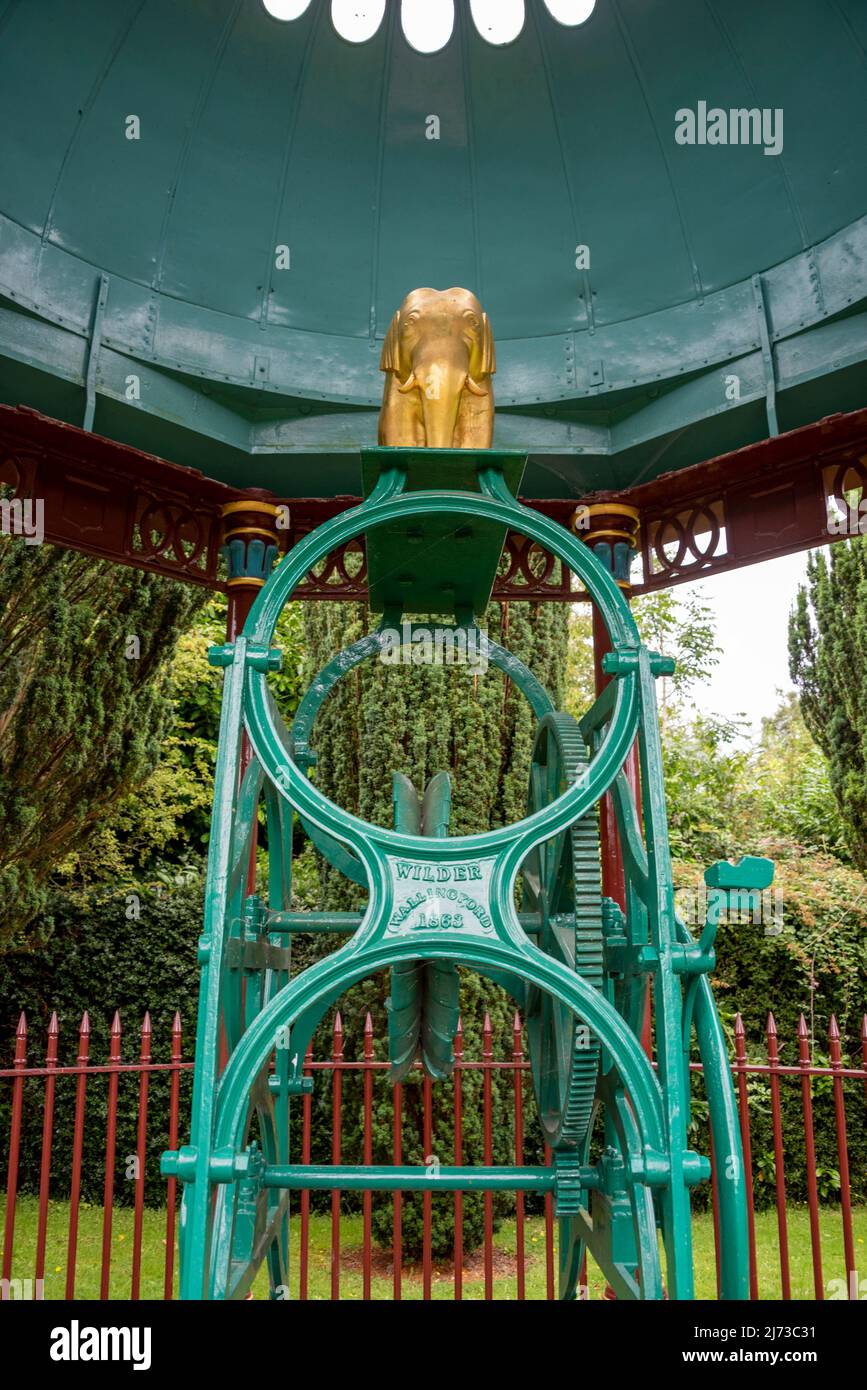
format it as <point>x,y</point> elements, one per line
<point>441,382</point>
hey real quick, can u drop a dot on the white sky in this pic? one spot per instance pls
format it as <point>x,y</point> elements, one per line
<point>752,610</point>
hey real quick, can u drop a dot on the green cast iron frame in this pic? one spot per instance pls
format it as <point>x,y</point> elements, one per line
<point>236,1172</point>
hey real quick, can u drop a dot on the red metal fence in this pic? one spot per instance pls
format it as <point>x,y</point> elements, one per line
<point>766,1092</point>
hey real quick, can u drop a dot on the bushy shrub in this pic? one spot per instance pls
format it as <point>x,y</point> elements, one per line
<point>815,966</point>
<point>100,959</point>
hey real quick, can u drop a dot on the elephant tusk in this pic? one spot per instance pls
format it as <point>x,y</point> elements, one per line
<point>474,386</point>
<point>407,385</point>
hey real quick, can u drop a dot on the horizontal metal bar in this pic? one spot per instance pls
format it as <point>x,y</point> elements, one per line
<point>341,1064</point>
<point>365,1064</point>
<point>347,922</point>
<point>96,1069</point>
<point>324,1177</point>
<point>314,921</point>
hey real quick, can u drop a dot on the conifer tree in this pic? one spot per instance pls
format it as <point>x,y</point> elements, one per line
<point>828,663</point>
<point>84,647</point>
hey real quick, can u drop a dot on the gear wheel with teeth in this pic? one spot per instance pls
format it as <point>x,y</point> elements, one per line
<point>562,887</point>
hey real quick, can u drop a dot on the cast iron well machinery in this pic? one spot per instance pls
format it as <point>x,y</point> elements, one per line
<point>577,963</point>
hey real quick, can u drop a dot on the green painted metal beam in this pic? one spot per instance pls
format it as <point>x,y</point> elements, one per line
<point>345,923</point>
<point>311,1177</point>
<point>433,565</point>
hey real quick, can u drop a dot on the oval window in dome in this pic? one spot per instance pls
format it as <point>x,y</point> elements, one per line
<point>356,21</point>
<point>427,24</point>
<point>571,12</point>
<point>498,21</point>
<point>285,9</point>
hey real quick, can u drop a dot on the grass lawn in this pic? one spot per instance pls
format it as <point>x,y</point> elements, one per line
<point>153,1256</point>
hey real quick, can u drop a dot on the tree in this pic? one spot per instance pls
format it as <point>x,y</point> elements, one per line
<point>84,705</point>
<point>681,625</point>
<point>706,778</point>
<point>828,663</point>
<point>675,624</point>
<point>160,830</point>
<point>792,787</point>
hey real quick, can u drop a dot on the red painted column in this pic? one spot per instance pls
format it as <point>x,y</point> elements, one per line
<point>611,531</point>
<point>249,547</point>
<point>250,542</point>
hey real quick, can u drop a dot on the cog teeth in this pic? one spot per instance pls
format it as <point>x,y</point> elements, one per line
<point>570,1128</point>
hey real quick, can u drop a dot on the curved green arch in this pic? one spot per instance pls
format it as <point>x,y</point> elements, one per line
<point>346,967</point>
<point>385,507</point>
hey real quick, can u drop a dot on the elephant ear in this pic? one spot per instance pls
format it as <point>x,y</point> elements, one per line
<point>390,359</point>
<point>489,356</point>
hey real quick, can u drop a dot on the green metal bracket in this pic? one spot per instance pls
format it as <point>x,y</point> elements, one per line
<point>432,564</point>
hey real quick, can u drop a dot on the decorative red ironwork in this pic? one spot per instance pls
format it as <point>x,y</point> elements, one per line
<point>526,571</point>
<point>112,501</point>
<point>172,535</point>
<point>845,486</point>
<point>763,501</point>
<point>676,542</point>
<point>61,1084</point>
<point>341,576</point>
<point>771,498</point>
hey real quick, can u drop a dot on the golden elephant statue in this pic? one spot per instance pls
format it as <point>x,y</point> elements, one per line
<point>439,359</point>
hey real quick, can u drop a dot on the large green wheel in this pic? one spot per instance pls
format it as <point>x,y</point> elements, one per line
<point>562,889</point>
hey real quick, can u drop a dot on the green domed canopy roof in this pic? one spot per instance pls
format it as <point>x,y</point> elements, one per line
<point>208,217</point>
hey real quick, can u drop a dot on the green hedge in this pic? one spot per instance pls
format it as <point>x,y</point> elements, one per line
<point>816,966</point>
<point>101,960</point>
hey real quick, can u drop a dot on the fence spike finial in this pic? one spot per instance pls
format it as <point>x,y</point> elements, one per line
<point>84,1025</point>
<point>21,1041</point>
<point>176,1022</point>
<point>517,1039</point>
<point>115,1022</point>
<point>53,1040</point>
<point>368,1025</point>
<point>834,1029</point>
<point>146,1022</point>
<point>771,1026</point>
<point>739,1026</point>
<point>803,1043</point>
